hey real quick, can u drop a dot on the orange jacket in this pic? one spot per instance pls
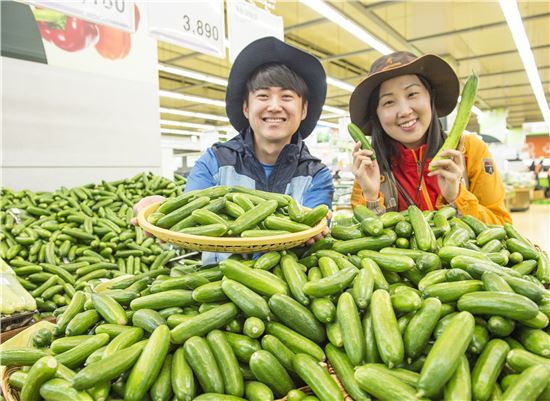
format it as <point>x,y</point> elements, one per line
<point>481,197</point>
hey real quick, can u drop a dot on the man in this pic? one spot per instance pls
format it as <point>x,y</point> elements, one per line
<point>274,99</point>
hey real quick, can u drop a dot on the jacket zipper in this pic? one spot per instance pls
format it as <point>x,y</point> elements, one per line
<point>423,187</point>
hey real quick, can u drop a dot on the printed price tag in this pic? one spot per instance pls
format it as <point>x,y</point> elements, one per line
<point>246,23</point>
<point>116,13</point>
<point>197,25</point>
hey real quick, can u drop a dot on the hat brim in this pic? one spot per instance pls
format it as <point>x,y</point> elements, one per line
<point>272,50</point>
<point>441,76</point>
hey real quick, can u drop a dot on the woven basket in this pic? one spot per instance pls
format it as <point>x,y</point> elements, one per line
<point>9,393</point>
<point>227,244</point>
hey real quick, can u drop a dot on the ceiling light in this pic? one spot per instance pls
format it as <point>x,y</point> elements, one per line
<point>335,110</point>
<point>195,114</point>
<point>344,22</point>
<point>191,98</point>
<point>513,18</point>
<point>186,124</point>
<point>179,132</point>
<point>340,84</point>
<point>199,76</point>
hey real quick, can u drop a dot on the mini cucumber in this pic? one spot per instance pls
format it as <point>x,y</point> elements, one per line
<point>445,354</point>
<point>363,286</point>
<point>109,309</point>
<point>295,278</point>
<point>512,306</point>
<point>203,323</point>
<point>459,386</point>
<point>451,292</point>
<point>388,338</point>
<point>77,355</point>
<point>269,371</point>
<point>183,381</point>
<point>529,385</point>
<point>268,260</point>
<point>487,368</point>
<point>41,371</point>
<point>297,317</point>
<point>258,280</point>
<point>251,303</point>
<point>332,284</point>
<point>347,316</point>
<point>295,341</point>
<point>344,370</point>
<point>283,354</point>
<point>394,263</point>
<point>378,382</point>
<point>257,391</point>
<point>201,359</point>
<point>420,328</point>
<point>317,378</point>
<point>227,363</point>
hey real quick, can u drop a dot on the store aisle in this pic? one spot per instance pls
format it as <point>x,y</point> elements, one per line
<point>535,224</point>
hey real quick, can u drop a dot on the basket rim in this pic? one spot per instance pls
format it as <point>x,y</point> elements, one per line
<point>237,242</point>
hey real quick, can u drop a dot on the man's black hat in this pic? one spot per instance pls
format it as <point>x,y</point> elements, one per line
<point>271,50</point>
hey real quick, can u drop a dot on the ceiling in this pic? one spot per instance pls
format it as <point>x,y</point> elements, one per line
<point>470,35</point>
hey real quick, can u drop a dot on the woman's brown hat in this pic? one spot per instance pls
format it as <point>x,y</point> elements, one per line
<point>444,82</point>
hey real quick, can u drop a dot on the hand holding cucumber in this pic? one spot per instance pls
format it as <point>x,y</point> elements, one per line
<point>449,170</point>
<point>366,171</point>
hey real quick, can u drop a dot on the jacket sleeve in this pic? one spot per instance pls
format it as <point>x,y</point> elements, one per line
<point>320,191</point>
<point>484,198</point>
<point>203,174</point>
<point>357,198</point>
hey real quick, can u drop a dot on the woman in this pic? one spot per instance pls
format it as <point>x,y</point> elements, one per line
<point>399,104</point>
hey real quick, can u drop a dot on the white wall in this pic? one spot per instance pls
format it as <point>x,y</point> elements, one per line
<point>64,127</point>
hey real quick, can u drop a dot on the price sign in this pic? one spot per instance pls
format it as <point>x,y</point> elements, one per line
<point>197,25</point>
<point>246,23</point>
<point>116,13</point>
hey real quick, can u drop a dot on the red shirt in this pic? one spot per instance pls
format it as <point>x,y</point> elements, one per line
<point>406,166</point>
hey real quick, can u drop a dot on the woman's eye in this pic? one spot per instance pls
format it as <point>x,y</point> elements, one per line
<point>413,94</point>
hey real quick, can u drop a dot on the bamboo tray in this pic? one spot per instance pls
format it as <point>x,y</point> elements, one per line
<point>227,244</point>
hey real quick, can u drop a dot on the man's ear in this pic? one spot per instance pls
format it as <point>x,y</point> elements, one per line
<point>304,110</point>
<point>245,108</point>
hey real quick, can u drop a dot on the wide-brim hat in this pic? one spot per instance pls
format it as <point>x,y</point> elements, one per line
<point>442,78</point>
<point>271,50</point>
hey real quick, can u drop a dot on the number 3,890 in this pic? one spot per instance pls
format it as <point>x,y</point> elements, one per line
<point>201,28</point>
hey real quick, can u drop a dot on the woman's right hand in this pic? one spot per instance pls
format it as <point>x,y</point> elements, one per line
<point>366,171</point>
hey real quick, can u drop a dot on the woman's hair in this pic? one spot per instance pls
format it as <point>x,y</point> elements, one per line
<point>385,146</point>
<point>276,75</point>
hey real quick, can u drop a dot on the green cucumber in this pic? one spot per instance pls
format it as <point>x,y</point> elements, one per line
<point>378,382</point>
<point>512,306</point>
<point>183,381</point>
<point>317,378</point>
<point>203,323</point>
<point>268,370</point>
<point>344,370</point>
<point>200,357</point>
<point>227,363</point>
<point>488,368</point>
<point>43,370</point>
<point>420,328</point>
<point>297,317</point>
<point>251,303</point>
<point>347,316</point>
<point>388,338</point>
<point>295,341</point>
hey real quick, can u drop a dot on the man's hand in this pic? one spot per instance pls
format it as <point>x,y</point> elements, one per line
<point>144,202</point>
<point>322,234</point>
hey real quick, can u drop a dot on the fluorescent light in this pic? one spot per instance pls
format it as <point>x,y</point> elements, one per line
<point>344,22</point>
<point>476,111</point>
<point>186,124</point>
<point>340,84</point>
<point>179,132</point>
<point>193,114</point>
<point>335,110</point>
<point>327,124</point>
<point>199,76</point>
<point>191,98</point>
<point>513,18</point>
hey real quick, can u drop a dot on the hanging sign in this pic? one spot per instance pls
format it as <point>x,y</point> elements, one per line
<point>247,23</point>
<point>116,13</point>
<point>197,25</point>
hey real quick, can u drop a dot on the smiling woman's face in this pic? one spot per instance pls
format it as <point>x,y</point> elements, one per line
<point>404,110</point>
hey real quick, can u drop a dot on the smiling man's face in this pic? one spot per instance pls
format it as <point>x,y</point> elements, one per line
<point>274,114</point>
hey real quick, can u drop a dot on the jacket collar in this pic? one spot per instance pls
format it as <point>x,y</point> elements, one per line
<point>406,156</point>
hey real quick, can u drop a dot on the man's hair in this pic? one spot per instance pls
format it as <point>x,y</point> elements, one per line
<point>384,145</point>
<point>276,75</point>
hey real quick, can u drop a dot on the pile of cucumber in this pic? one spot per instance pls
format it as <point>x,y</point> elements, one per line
<point>235,212</point>
<point>461,313</point>
<point>58,242</point>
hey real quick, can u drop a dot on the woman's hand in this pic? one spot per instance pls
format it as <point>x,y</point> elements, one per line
<point>366,171</point>
<point>450,171</point>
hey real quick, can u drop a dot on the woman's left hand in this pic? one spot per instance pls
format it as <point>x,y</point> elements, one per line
<point>449,172</point>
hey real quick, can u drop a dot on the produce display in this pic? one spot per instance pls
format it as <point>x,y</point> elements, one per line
<point>411,305</point>
<point>235,212</point>
<point>59,242</point>
<point>14,297</point>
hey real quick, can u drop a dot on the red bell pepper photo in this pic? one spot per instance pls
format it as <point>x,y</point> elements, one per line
<point>113,43</point>
<point>67,33</point>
